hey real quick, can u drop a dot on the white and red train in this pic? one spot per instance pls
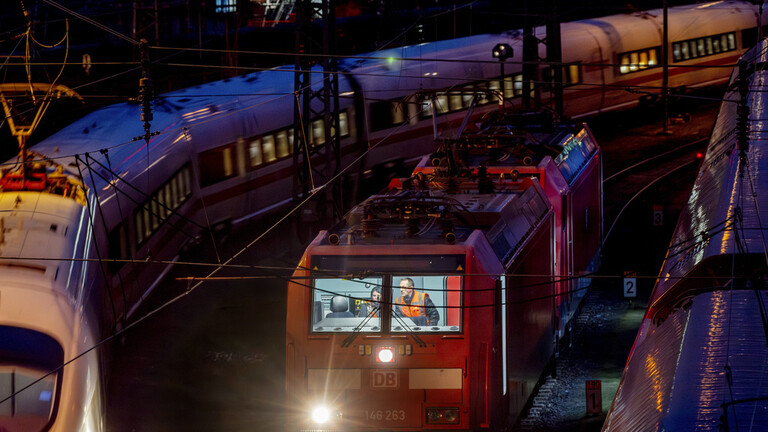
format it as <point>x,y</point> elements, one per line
<point>495,228</point>
<point>700,356</point>
<point>224,152</point>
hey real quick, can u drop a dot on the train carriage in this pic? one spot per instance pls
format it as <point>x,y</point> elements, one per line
<point>699,356</point>
<point>50,376</point>
<point>481,243</point>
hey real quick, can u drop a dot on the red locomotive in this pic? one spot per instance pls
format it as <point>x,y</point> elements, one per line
<point>437,304</point>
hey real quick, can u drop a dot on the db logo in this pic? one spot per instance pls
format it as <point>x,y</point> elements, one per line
<point>384,379</point>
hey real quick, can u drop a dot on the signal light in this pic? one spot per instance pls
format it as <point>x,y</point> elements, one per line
<point>699,155</point>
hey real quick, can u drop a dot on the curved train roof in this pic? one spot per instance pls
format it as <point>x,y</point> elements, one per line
<point>722,199</point>
<point>236,101</point>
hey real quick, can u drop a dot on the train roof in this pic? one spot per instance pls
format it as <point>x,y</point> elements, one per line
<point>231,105</point>
<point>473,183</point>
<point>516,144</point>
<point>415,212</point>
<point>722,218</point>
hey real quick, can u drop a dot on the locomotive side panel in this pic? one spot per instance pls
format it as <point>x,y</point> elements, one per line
<point>531,317</point>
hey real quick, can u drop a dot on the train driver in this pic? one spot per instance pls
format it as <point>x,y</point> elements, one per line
<point>371,307</point>
<point>415,305</point>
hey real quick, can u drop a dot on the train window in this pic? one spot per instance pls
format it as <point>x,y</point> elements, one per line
<point>174,190</point>
<point>344,122</point>
<point>426,303</point>
<point>290,139</point>
<point>216,165</point>
<point>676,51</point>
<point>161,204</point>
<point>518,79</point>
<point>268,147</point>
<point>509,86</point>
<point>640,60</point>
<point>570,74</point>
<point>344,305</point>
<point>701,47</point>
<point>154,215</point>
<point>139,226</point>
<point>426,108</point>
<point>493,95</point>
<point>455,101</point>
<point>398,113</point>
<point>29,400</point>
<point>318,132</point>
<point>147,222</point>
<point>170,197</point>
<point>187,184</point>
<point>281,139</point>
<point>467,95</point>
<point>441,103</point>
<point>254,152</point>
<point>573,72</point>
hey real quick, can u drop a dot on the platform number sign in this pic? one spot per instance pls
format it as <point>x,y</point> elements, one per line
<point>658,215</point>
<point>630,284</point>
<point>594,397</point>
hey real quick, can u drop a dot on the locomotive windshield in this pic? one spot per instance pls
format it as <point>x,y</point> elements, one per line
<point>403,301</point>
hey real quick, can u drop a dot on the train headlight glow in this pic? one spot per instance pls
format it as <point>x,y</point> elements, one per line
<point>321,415</point>
<point>385,355</point>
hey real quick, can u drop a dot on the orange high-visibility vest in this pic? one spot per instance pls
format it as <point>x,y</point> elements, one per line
<point>416,308</point>
<point>373,310</point>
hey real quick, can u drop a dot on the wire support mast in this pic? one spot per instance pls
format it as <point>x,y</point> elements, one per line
<point>145,91</point>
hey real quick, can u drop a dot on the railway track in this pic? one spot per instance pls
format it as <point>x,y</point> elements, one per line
<point>642,169</point>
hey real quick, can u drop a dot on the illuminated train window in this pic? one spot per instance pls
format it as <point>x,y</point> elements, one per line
<point>346,305</point>
<point>425,303</point>
<point>369,305</point>
<point>571,75</point>
<point>272,146</point>
<point>161,205</point>
<point>702,47</point>
<point>636,61</point>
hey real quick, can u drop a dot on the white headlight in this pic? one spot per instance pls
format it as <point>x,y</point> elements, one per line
<point>321,415</point>
<point>385,355</point>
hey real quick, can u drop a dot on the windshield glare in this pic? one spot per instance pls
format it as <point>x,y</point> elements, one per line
<point>414,303</point>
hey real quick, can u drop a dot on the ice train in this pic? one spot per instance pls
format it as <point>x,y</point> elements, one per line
<point>700,356</point>
<point>223,151</point>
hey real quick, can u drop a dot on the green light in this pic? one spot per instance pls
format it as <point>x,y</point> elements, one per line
<point>390,60</point>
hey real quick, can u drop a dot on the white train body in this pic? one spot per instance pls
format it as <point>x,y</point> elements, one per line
<point>701,356</point>
<point>223,152</point>
<point>45,321</point>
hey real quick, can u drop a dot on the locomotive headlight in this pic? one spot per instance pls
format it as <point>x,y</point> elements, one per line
<point>442,415</point>
<point>321,415</point>
<point>451,415</point>
<point>385,354</point>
